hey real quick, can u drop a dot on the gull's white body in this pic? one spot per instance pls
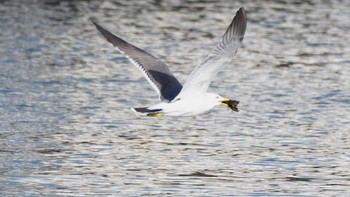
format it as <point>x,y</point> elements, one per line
<point>189,106</point>
<point>192,98</point>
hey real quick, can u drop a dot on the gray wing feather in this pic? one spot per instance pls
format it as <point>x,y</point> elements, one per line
<point>156,72</point>
<point>203,74</point>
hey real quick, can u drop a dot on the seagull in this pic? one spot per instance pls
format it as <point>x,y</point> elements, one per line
<point>191,98</point>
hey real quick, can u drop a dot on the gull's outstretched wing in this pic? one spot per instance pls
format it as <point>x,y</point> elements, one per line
<point>156,72</point>
<point>202,75</point>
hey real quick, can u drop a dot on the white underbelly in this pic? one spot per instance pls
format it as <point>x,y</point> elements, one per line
<point>186,108</point>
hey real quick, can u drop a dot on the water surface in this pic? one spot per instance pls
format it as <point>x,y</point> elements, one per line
<point>66,128</point>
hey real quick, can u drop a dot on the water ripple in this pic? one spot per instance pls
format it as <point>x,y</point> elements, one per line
<point>67,130</point>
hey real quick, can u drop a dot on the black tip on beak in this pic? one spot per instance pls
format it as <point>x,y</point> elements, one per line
<point>232,104</point>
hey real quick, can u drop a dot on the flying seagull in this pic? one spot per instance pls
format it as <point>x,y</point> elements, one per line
<point>192,98</point>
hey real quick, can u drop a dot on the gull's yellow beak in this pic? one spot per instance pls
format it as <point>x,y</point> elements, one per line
<point>224,102</point>
<point>232,104</point>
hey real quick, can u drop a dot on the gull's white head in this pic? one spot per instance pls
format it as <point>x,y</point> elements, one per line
<point>215,98</point>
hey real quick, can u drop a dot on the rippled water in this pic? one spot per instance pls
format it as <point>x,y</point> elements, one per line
<point>67,130</point>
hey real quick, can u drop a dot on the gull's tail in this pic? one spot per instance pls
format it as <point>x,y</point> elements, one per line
<point>148,112</point>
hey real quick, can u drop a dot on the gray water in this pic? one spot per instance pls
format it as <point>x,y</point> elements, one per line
<point>66,128</point>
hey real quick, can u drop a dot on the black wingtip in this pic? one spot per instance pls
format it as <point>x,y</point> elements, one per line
<point>241,15</point>
<point>98,27</point>
<point>94,22</point>
<point>113,39</point>
<point>240,23</point>
<point>146,110</point>
<point>241,9</point>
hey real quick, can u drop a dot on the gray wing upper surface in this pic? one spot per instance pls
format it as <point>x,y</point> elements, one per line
<point>156,72</point>
<point>203,74</point>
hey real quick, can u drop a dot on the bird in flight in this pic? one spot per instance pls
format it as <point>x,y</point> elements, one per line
<point>191,98</point>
